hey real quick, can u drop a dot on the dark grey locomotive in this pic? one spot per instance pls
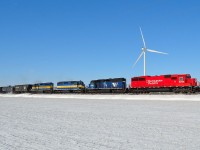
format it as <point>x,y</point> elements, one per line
<point>6,89</point>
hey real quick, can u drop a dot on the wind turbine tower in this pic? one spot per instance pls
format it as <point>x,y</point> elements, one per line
<point>143,53</point>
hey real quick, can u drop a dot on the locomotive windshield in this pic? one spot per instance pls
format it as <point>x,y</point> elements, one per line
<point>81,83</point>
<point>92,85</point>
<point>188,76</point>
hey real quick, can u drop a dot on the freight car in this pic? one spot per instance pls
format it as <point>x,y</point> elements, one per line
<point>70,87</point>
<point>115,85</point>
<point>177,83</point>
<point>26,88</point>
<point>42,88</point>
<point>6,89</point>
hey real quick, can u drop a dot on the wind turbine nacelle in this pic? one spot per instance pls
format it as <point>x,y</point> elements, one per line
<point>143,48</point>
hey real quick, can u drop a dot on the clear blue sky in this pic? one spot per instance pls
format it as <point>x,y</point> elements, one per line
<point>56,40</point>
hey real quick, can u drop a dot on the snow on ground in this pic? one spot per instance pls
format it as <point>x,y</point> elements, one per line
<point>110,97</point>
<point>99,122</point>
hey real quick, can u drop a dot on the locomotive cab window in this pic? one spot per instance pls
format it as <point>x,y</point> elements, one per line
<point>188,76</point>
<point>81,83</point>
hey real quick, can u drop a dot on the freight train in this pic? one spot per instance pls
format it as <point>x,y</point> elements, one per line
<point>175,83</point>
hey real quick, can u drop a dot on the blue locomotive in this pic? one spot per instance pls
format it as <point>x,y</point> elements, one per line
<point>112,85</point>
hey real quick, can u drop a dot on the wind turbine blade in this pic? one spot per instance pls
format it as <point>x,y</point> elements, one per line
<point>153,51</point>
<point>142,37</point>
<point>138,59</point>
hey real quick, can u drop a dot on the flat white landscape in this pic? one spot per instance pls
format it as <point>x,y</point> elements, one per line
<point>99,122</point>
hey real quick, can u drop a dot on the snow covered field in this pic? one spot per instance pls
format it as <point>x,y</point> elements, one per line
<point>99,122</point>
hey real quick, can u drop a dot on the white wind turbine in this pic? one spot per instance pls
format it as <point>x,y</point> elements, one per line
<point>144,50</point>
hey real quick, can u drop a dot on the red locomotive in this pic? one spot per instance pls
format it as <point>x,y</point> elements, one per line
<point>164,83</point>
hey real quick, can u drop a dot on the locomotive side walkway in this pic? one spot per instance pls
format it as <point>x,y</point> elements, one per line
<point>179,97</point>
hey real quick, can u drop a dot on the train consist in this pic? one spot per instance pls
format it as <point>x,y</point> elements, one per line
<point>175,83</point>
